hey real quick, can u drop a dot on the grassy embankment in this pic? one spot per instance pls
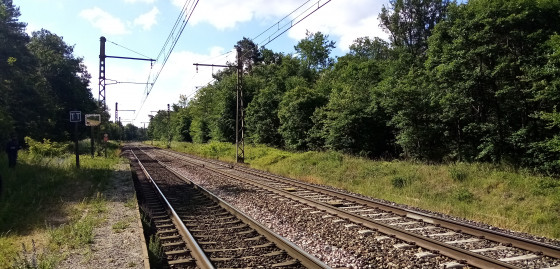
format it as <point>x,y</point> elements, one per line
<point>497,195</point>
<point>48,208</point>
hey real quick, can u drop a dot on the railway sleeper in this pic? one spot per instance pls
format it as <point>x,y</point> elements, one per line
<point>181,261</point>
<point>177,252</point>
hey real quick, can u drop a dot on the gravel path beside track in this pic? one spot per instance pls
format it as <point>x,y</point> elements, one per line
<point>114,248</point>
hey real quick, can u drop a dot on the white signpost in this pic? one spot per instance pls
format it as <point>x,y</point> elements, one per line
<point>93,119</point>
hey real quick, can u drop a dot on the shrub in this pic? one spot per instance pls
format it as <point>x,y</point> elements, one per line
<point>46,148</point>
<point>458,173</point>
<point>399,182</point>
<point>464,195</point>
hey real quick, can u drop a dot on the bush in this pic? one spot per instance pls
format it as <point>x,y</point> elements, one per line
<point>464,195</point>
<point>399,182</point>
<point>458,173</point>
<point>46,148</point>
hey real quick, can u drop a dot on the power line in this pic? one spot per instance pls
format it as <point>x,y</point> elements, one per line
<point>292,24</point>
<point>128,49</point>
<point>277,23</point>
<point>169,45</point>
<point>173,38</point>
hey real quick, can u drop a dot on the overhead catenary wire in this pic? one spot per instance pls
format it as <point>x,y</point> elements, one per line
<point>291,23</point>
<point>273,36</point>
<point>173,38</point>
<point>169,45</point>
<point>147,57</point>
<point>277,23</point>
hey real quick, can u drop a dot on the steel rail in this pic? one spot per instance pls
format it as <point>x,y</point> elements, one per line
<point>459,254</point>
<point>293,250</point>
<point>522,243</point>
<point>201,259</point>
<point>518,242</point>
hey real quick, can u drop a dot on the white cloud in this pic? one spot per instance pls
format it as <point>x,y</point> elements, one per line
<point>107,23</point>
<point>147,20</point>
<point>347,20</point>
<point>143,1</point>
<point>343,20</point>
<point>226,14</point>
<point>179,76</point>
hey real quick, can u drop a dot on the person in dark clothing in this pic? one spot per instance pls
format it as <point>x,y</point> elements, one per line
<point>12,150</point>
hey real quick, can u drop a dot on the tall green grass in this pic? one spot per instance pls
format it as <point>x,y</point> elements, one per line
<point>497,195</point>
<point>43,202</point>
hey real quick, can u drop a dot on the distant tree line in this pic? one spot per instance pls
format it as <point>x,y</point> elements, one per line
<point>475,81</point>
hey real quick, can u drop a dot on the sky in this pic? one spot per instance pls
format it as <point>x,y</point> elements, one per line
<point>140,28</point>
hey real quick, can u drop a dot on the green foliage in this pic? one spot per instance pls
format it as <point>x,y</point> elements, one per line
<point>45,148</point>
<point>399,182</point>
<point>295,111</point>
<point>155,252</point>
<point>31,259</point>
<point>315,49</point>
<point>458,172</point>
<point>40,81</point>
<point>410,22</point>
<point>464,195</point>
<point>120,226</point>
<point>55,202</point>
<point>475,81</point>
<point>262,117</point>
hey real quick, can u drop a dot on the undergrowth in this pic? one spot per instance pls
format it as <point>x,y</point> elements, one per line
<point>49,205</point>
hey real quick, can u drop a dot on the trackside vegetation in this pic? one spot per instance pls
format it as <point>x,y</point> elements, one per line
<point>455,81</point>
<point>499,195</point>
<point>48,208</point>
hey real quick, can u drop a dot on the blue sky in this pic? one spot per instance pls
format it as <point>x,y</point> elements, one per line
<point>213,30</point>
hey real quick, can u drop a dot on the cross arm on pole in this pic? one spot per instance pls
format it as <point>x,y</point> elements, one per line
<point>214,65</point>
<point>130,58</point>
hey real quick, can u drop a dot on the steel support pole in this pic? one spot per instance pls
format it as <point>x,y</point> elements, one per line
<point>239,116</point>
<point>168,127</point>
<point>102,57</point>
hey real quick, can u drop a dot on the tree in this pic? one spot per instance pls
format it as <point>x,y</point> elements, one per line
<point>250,54</point>
<point>353,121</point>
<point>364,47</point>
<point>314,51</point>
<point>262,117</point>
<point>40,80</point>
<point>295,113</point>
<point>483,59</point>
<point>65,80</point>
<point>410,23</point>
<point>16,74</point>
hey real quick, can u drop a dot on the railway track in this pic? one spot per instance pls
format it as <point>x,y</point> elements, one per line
<point>198,230</point>
<point>466,243</point>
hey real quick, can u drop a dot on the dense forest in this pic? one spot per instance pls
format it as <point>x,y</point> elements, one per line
<point>41,81</point>
<point>477,81</point>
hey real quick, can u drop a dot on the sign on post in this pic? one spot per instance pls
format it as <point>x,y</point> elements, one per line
<point>93,119</point>
<point>75,116</point>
